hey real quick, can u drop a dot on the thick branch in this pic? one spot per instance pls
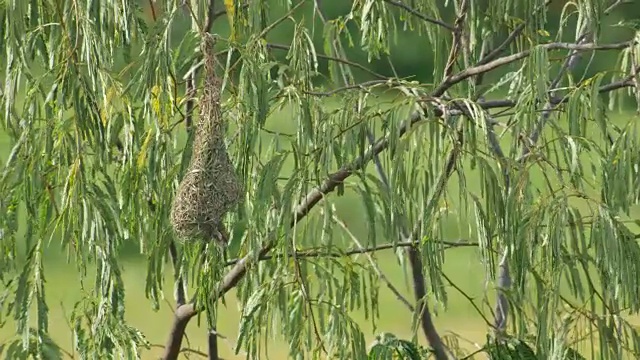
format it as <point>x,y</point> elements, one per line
<point>212,340</point>
<point>420,291</point>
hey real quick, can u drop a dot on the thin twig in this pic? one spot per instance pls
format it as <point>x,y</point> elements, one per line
<point>568,65</point>
<point>466,296</point>
<point>183,350</point>
<point>361,86</point>
<point>300,279</point>
<point>612,7</point>
<point>314,253</point>
<point>332,58</point>
<point>512,36</point>
<point>497,51</point>
<point>458,40</point>
<point>375,266</point>
<point>153,10</point>
<point>417,14</point>
<point>210,17</point>
<point>278,21</point>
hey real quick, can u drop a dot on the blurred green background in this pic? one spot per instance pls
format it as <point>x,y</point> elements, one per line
<point>411,57</point>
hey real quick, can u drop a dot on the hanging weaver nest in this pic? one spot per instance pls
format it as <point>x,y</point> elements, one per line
<point>210,187</point>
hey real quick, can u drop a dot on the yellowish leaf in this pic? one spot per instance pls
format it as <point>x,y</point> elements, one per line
<point>231,12</point>
<point>105,111</point>
<point>543,32</point>
<point>142,156</point>
<point>155,99</point>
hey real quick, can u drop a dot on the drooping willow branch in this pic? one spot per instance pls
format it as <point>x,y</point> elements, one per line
<point>421,310</point>
<point>504,277</point>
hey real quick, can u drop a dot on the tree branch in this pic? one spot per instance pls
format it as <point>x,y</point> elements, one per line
<point>556,100</point>
<point>458,41</point>
<point>212,340</point>
<point>179,293</point>
<point>613,6</point>
<point>185,350</point>
<point>361,86</point>
<point>512,36</point>
<point>418,274</point>
<point>420,291</point>
<point>480,69</point>
<point>417,14</point>
<point>375,266</point>
<point>333,58</point>
<point>313,253</point>
<point>568,65</point>
<point>223,12</point>
<point>211,16</point>
<point>413,252</point>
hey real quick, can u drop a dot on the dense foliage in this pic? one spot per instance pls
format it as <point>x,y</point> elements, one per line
<point>512,137</point>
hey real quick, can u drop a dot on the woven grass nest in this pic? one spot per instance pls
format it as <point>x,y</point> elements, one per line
<point>210,187</point>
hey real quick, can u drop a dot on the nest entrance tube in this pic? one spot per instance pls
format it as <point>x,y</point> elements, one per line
<point>210,187</point>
